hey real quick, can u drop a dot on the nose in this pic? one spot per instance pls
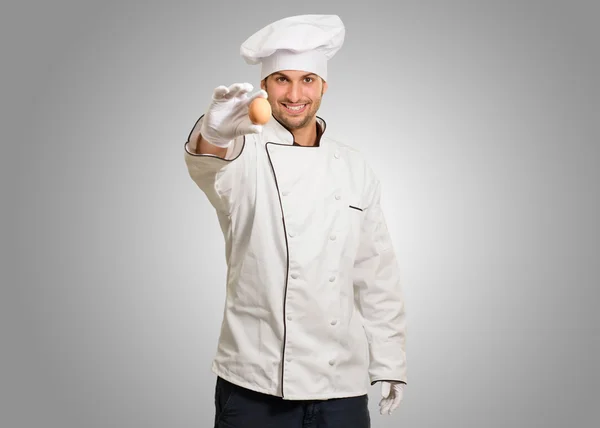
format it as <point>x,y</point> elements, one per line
<point>294,92</point>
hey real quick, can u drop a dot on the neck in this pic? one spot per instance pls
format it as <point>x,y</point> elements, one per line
<point>307,135</point>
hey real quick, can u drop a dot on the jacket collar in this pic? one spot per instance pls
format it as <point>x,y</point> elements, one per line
<point>275,132</point>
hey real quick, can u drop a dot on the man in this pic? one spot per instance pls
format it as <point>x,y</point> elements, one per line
<point>314,309</point>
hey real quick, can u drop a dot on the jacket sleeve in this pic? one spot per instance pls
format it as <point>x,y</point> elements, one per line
<point>217,177</point>
<point>379,295</point>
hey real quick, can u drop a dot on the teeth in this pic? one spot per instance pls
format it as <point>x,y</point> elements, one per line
<point>297,108</point>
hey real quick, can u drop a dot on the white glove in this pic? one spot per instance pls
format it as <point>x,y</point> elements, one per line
<point>227,115</point>
<point>392,394</point>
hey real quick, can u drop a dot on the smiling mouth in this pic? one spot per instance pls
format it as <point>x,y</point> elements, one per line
<point>294,108</point>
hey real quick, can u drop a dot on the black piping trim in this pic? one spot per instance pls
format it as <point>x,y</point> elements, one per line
<point>356,208</point>
<point>287,269</point>
<point>324,124</point>
<point>387,380</point>
<point>208,154</point>
<point>287,247</point>
<point>294,144</point>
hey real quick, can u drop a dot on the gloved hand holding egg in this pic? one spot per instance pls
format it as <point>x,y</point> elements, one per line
<point>233,113</point>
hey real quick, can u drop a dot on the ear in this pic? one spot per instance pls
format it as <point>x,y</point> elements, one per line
<point>263,84</point>
<point>324,86</point>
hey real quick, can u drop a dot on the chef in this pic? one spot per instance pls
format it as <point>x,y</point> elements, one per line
<point>314,309</point>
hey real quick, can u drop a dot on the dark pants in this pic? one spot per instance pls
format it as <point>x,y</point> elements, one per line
<point>237,407</point>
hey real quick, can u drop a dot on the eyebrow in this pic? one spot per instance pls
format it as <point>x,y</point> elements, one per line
<point>287,77</point>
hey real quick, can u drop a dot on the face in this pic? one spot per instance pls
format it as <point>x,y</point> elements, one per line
<point>295,96</point>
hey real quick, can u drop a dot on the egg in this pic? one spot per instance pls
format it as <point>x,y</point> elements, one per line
<point>259,111</point>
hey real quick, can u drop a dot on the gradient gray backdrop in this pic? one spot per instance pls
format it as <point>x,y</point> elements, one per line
<point>481,118</point>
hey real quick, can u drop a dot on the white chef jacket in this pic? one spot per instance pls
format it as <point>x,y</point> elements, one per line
<point>314,306</point>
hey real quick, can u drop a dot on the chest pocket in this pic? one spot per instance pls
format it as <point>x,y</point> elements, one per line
<point>353,212</point>
<point>350,185</point>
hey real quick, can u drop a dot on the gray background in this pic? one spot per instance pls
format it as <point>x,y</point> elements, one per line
<point>481,119</point>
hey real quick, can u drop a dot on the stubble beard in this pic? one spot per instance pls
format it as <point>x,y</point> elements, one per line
<point>293,124</point>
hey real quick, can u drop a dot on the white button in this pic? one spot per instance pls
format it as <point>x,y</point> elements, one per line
<point>338,197</point>
<point>295,275</point>
<point>331,278</point>
<point>331,362</point>
<point>289,317</point>
<point>291,233</point>
<point>285,193</point>
<point>337,155</point>
<point>333,322</point>
<point>332,237</point>
<point>288,359</point>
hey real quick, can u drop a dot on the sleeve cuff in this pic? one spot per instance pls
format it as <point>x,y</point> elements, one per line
<point>233,150</point>
<point>387,380</point>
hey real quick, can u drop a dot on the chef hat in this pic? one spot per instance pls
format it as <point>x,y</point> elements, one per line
<point>304,42</point>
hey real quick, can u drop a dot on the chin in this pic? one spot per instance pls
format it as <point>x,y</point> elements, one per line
<point>295,122</point>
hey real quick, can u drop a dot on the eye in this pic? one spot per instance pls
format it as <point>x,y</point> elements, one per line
<point>281,79</point>
<point>308,79</point>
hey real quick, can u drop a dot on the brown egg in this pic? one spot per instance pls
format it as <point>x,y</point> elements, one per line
<point>259,111</point>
